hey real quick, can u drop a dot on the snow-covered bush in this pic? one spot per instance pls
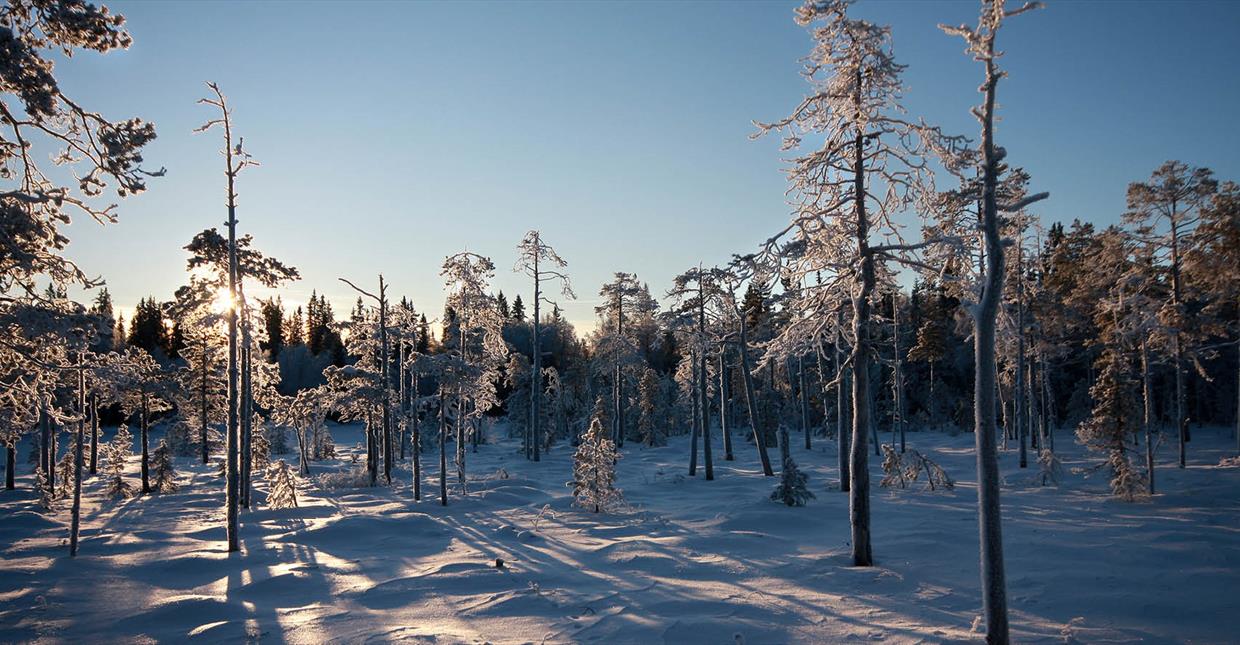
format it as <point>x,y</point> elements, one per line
<point>282,486</point>
<point>351,478</point>
<point>1050,470</point>
<point>165,474</point>
<point>903,470</point>
<point>118,450</point>
<point>594,470</point>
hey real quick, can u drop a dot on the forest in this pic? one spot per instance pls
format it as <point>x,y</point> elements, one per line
<point>916,411</point>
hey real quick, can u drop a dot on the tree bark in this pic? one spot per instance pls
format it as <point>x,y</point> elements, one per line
<point>94,433</point>
<point>994,585</point>
<point>747,376</point>
<point>725,401</point>
<point>144,427</point>
<point>75,524</point>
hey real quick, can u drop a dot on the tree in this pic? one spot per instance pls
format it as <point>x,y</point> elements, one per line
<point>619,297</point>
<point>381,364</point>
<point>980,42</point>
<point>282,486</point>
<point>118,452</point>
<point>537,260</point>
<point>1212,265</point>
<point>165,472</point>
<point>235,159</point>
<point>594,470</point>
<point>1165,211</point>
<point>273,325</point>
<point>867,146</point>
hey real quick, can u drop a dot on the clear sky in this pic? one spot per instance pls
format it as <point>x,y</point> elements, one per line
<point>393,134</point>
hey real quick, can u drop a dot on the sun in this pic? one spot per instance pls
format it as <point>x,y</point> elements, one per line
<point>222,302</point>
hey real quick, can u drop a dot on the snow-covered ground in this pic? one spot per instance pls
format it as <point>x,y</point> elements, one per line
<point>691,561</point>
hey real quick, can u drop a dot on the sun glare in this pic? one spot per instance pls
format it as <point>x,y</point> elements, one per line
<point>223,302</point>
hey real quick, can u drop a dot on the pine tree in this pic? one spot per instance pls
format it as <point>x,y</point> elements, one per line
<point>118,450</point>
<point>47,501</point>
<point>650,418</point>
<point>793,487</point>
<point>282,486</point>
<point>260,447</point>
<point>594,470</point>
<point>165,474</point>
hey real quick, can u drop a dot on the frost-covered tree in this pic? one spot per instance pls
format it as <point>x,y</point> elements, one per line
<point>980,42</point>
<point>260,447</point>
<point>1165,210</point>
<point>594,470</point>
<point>541,263</point>
<point>651,415</point>
<point>165,471</point>
<point>235,160</point>
<point>1212,266</point>
<point>378,361</point>
<point>281,486</point>
<point>865,163</point>
<point>622,300</point>
<point>478,341</point>
<point>118,451</point>
<point>793,488</point>
<point>306,412</point>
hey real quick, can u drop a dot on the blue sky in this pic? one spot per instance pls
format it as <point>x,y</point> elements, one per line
<point>393,134</point>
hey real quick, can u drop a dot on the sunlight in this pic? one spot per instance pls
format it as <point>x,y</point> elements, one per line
<point>222,302</point>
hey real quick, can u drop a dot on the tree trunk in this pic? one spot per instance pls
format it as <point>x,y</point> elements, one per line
<point>202,403</point>
<point>94,433</point>
<point>994,585</point>
<point>859,467</point>
<point>75,524</point>
<point>804,397</point>
<point>843,427</point>
<point>536,359</point>
<point>702,377</point>
<point>1146,414</point>
<point>695,415</point>
<point>725,403</point>
<point>247,414</point>
<point>747,376</point>
<point>10,463</point>
<point>144,426</point>
<point>443,454</point>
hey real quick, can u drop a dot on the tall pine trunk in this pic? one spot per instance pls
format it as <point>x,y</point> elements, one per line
<point>994,585</point>
<point>144,426</point>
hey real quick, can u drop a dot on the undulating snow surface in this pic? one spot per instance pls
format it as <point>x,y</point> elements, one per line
<point>691,562</point>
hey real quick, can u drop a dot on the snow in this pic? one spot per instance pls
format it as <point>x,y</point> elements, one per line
<point>689,561</point>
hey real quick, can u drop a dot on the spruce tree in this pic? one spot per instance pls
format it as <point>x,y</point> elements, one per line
<point>594,470</point>
<point>165,473</point>
<point>282,486</point>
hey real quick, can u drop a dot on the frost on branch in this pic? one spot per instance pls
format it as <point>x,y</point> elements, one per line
<point>282,482</point>
<point>903,470</point>
<point>165,474</point>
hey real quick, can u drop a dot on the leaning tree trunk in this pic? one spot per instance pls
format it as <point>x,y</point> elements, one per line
<point>694,414</point>
<point>1146,414</point>
<point>709,461</point>
<point>994,585</point>
<point>750,402</point>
